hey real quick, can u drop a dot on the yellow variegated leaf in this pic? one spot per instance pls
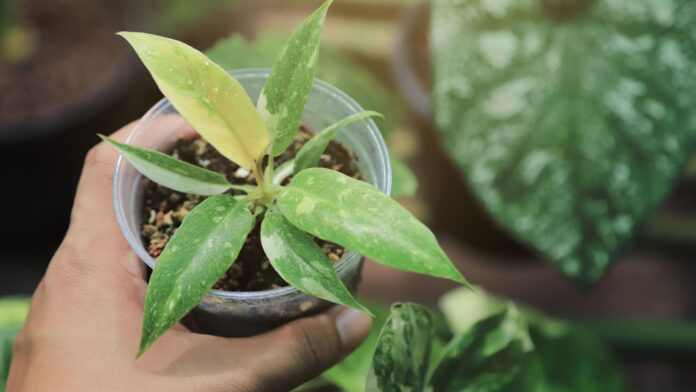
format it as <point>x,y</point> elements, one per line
<point>213,102</point>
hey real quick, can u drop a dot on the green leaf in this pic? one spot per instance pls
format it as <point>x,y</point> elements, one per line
<point>13,312</point>
<point>571,129</point>
<point>286,91</point>
<point>213,102</point>
<point>402,355</point>
<point>495,354</point>
<point>356,215</point>
<point>301,262</point>
<point>310,153</point>
<point>404,182</point>
<point>572,359</point>
<point>171,172</point>
<point>201,250</point>
<point>576,361</point>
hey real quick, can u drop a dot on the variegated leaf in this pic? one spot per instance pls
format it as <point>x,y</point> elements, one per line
<point>356,215</point>
<point>301,262</point>
<point>213,102</point>
<point>570,119</point>
<point>202,249</point>
<point>285,94</point>
<point>170,172</point>
<point>402,354</point>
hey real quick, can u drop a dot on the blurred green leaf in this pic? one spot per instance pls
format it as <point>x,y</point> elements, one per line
<point>201,250</point>
<point>170,172</point>
<point>494,354</point>
<point>310,152</point>
<point>13,312</point>
<point>570,127</point>
<point>573,360</point>
<point>404,182</point>
<point>285,93</point>
<point>301,262</point>
<point>401,359</point>
<point>213,102</point>
<point>356,215</point>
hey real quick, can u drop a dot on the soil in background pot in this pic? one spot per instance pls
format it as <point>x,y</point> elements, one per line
<point>74,61</point>
<point>163,209</point>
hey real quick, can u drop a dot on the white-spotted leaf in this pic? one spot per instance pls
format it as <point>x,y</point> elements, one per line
<point>301,262</point>
<point>402,355</point>
<point>570,119</point>
<point>310,153</point>
<point>213,102</point>
<point>356,215</point>
<point>170,172</point>
<point>285,94</point>
<point>201,250</point>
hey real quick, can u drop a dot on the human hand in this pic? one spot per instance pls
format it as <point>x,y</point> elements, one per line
<point>83,328</point>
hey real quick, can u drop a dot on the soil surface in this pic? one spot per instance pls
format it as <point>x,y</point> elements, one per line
<point>164,209</point>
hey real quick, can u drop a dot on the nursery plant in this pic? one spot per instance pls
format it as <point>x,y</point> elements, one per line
<point>292,203</point>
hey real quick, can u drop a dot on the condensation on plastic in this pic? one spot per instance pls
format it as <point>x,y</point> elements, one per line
<point>240,314</point>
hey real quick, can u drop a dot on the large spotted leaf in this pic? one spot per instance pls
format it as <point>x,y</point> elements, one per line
<point>571,119</point>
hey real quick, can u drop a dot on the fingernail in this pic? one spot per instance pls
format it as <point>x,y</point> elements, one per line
<point>353,326</point>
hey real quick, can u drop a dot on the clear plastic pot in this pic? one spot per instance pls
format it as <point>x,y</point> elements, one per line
<point>240,314</point>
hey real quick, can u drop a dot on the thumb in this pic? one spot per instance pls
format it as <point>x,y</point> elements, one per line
<point>304,348</point>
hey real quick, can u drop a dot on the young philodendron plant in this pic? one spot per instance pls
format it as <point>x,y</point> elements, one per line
<point>319,202</point>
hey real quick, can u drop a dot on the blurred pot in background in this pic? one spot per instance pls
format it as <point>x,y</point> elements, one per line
<point>59,61</point>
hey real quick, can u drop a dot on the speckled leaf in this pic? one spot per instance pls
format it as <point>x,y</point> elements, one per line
<point>356,215</point>
<point>201,250</point>
<point>213,102</point>
<point>310,153</point>
<point>170,172</point>
<point>570,128</point>
<point>286,91</point>
<point>401,359</point>
<point>495,354</point>
<point>301,262</point>
<point>404,182</point>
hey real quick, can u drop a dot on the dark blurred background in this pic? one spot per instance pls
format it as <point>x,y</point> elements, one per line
<point>72,77</point>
